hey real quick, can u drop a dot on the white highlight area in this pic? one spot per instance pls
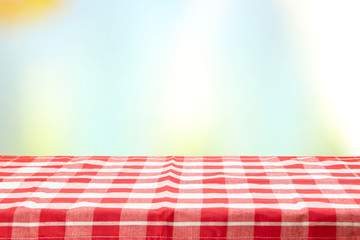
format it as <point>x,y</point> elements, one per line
<point>189,87</point>
<point>328,34</point>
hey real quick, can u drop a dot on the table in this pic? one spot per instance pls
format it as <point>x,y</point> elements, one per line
<point>174,197</point>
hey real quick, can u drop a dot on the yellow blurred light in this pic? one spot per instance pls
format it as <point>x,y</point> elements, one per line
<point>22,10</point>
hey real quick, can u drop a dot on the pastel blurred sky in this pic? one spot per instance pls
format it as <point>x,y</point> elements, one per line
<point>182,77</point>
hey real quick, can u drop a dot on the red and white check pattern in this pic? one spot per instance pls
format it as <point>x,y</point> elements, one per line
<point>149,198</point>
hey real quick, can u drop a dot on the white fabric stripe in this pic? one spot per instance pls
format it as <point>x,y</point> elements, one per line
<point>181,224</point>
<point>32,170</point>
<point>167,194</point>
<point>185,163</point>
<point>100,185</point>
<point>185,178</point>
<point>178,205</point>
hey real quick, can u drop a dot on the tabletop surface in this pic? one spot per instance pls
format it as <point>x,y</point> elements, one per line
<point>174,197</point>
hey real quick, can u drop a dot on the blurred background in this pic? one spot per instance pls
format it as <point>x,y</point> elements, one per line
<point>183,77</point>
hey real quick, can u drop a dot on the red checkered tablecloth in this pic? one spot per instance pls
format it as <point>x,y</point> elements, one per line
<point>149,198</point>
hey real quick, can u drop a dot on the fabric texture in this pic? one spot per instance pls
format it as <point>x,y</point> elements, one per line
<point>196,198</point>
